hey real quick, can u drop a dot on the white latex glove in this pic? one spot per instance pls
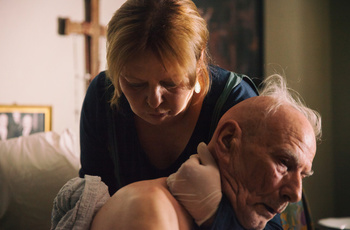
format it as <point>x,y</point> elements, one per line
<point>196,185</point>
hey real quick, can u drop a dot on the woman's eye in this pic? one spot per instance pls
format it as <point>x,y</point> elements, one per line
<point>137,85</point>
<point>168,84</point>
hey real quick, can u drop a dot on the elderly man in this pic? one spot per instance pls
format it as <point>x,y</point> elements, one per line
<point>263,147</point>
<point>252,168</point>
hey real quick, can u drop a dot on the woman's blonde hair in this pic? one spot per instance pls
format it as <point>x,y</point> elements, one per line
<point>172,29</point>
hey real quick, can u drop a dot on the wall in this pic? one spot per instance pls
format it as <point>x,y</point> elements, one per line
<point>308,41</point>
<point>40,67</point>
<point>340,72</point>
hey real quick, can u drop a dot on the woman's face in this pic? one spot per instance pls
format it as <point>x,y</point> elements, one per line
<point>151,91</point>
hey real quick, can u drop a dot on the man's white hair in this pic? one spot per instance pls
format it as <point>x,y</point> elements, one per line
<point>275,86</point>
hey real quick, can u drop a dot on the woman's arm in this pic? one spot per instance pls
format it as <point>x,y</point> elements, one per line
<point>95,157</point>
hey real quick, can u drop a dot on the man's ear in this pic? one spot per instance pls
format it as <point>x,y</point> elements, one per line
<point>228,138</point>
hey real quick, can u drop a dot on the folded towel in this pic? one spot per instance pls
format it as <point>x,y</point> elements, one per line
<point>77,203</point>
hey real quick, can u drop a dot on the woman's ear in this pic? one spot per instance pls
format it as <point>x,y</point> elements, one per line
<point>228,136</point>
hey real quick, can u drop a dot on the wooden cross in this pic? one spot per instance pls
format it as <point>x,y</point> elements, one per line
<point>92,31</point>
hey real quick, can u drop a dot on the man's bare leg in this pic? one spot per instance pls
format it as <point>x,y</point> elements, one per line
<point>144,205</point>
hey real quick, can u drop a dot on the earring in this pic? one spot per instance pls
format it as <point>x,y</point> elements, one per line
<point>197,87</point>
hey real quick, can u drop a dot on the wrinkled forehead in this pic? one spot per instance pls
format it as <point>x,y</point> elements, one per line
<point>289,127</point>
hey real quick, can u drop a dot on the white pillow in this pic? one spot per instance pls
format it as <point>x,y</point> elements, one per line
<point>32,171</point>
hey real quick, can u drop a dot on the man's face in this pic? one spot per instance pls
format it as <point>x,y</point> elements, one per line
<point>267,172</point>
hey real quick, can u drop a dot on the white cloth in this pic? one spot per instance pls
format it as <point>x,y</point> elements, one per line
<point>77,203</point>
<point>32,171</point>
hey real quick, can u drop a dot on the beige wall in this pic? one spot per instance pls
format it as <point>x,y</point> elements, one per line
<point>306,41</point>
<point>40,67</point>
<point>340,73</point>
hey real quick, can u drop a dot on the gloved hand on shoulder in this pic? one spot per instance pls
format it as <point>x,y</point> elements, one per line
<point>197,186</point>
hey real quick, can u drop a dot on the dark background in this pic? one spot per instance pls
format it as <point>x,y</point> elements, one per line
<point>235,28</point>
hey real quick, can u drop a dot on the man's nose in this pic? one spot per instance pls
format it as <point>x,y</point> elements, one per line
<point>155,96</point>
<point>292,190</point>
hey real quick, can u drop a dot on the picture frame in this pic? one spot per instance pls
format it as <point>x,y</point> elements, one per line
<point>23,120</point>
<point>235,35</point>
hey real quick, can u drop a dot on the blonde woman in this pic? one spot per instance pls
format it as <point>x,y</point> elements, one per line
<point>145,115</point>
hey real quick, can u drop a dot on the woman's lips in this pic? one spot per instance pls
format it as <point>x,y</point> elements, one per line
<point>158,114</point>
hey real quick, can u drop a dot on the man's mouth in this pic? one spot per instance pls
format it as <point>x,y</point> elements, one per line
<point>277,210</point>
<point>270,210</point>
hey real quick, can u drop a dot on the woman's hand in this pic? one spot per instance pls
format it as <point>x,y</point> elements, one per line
<point>196,185</point>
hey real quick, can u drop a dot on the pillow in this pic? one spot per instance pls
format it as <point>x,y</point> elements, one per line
<point>32,171</point>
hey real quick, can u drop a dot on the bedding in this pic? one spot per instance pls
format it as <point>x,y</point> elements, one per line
<point>32,171</point>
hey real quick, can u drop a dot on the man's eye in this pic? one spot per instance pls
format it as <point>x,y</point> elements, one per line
<point>283,165</point>
<point>284,162</point>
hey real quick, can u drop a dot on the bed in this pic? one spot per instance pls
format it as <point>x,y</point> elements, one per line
<point>32,171</point>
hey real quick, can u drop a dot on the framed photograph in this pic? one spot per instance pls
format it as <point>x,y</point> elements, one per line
<point>16,120</point>
<point>236,34</point>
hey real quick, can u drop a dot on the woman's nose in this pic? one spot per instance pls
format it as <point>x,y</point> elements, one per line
<point>155,97</point>
<point>292,190</point>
